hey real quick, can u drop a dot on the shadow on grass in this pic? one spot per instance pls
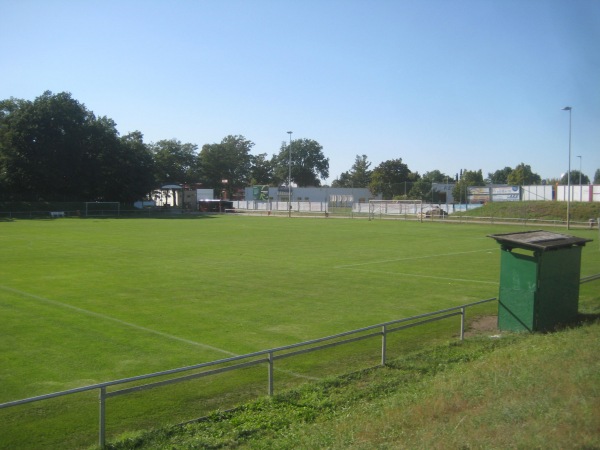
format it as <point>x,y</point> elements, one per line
<point>587,318</point>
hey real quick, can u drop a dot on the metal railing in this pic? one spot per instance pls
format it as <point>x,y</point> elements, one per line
<point>267,357</point>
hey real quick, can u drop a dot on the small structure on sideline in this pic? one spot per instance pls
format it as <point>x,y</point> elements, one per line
<point>539,280</point>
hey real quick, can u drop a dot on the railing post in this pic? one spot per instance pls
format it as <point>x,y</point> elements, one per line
<point>102,435</point>
<point>383,344</point>
<point>462,323</point>
<point>271,374</point>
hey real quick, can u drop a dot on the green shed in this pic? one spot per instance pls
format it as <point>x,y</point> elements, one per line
<point>539,279</point>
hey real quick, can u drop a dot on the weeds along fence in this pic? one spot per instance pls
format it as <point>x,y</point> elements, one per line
<point>266,358</point>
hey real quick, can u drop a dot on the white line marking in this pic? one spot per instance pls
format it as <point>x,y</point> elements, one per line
<point>137,327</point>
<point>122,322</point>
<point>424,276</point>
<point>409,259</point>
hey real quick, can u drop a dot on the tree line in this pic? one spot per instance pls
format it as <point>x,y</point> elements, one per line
<point>394,180</point>
<point>54,149</point>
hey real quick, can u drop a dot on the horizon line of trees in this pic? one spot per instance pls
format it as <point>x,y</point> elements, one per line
<point>53,148</point>
<point>394,180</point>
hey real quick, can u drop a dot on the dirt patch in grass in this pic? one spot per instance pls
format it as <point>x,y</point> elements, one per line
<point>482,325</point>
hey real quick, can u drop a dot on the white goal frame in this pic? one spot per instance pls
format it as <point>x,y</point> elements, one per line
<point>109,211</point>
<point>396,208</point>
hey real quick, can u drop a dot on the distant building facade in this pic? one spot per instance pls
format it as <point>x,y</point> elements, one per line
<point>335,196</point>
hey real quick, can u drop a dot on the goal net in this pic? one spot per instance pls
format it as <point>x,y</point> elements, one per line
<point>409,209</point>
<point>98,209</point>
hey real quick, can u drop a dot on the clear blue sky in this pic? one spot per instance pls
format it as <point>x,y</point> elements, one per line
<point>442,84</point>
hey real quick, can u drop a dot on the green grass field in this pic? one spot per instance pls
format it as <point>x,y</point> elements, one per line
<point>84,301</point>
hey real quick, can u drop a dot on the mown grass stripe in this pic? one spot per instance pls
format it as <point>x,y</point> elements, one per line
<point>113,319</point>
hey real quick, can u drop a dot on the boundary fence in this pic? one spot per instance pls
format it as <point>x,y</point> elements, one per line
<point>264,357</point>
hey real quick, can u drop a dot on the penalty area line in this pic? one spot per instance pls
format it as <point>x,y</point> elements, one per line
<point>137,327</point>
<point>350,266</point>
<point>113,319</point>
<point>415,275</point>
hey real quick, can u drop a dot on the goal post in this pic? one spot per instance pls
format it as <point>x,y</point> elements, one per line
<point>99,209</point>
<point>396,208</point>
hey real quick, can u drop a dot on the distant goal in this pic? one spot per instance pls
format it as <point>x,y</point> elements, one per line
<point>407,209</point>
<point>102,209</point>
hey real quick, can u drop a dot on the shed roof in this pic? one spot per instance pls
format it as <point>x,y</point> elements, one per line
<point>538,240</point>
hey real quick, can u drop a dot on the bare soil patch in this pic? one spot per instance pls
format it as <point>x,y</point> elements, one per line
<point>482,325</point>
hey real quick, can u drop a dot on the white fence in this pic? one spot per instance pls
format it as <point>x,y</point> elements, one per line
<point>297,206</point>
<point>355,208</point>
<point>586,193</point>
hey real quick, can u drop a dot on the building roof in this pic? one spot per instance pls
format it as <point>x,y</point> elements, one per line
<point>538,240</point>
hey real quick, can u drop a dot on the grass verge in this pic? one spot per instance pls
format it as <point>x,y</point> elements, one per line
<point>579,211</point>
<point>517,391</point>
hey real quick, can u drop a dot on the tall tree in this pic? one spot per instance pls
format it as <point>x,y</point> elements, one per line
<point>135,167</point>
<point>467,178</point>
<point>308,163</point>
<point>228,160</point>
<point>523,176</point>
<point>175,162</point>
<point>261,170</point>
<point>575,178</point>
<point>422,189</point>
<point>435,176</point>
<point>500,176</point>
<point>53,148</point>
<point>358,176</point>
<point>391,178</point>
<point>597,177</point>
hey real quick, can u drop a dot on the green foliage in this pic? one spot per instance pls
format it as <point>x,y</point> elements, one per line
<point>390,177</point>
<point>523,176</point>
<point>435,176</point>
<point>421,190</point>
<point>359,175</point>
<point>175,162</point>
<point>500,176</point>
<point>229,160</point>
<point>547,384</point>
<point>467,178</point>
<point>53,148</point>
<point>580,211</point>
<point>261,170</point>
<point>308,163</point>
<point>575,178</point>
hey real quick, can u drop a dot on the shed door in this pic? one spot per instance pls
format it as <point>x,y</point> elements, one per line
<point>518,286</point>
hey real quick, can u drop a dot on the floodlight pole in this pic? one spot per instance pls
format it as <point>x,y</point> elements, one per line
<point>568,108</point>
<point>290,176</point>
<point>580,187</point>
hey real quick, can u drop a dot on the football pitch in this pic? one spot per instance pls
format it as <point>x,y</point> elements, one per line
<point>84,301</point>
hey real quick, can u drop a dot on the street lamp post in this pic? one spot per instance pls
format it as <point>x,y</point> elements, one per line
<point>568,108</point>
<point>290,176</point>
<point>580,187</point>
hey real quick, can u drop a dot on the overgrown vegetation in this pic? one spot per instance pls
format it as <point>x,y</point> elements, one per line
<point>514,391</point>
<point>580,212</point>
